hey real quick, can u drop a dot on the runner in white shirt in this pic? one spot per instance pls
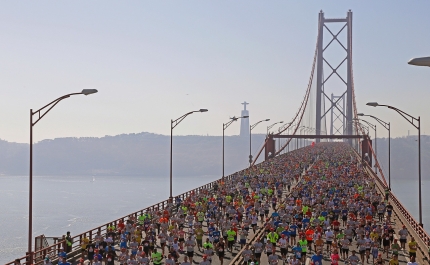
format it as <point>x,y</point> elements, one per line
<point>403,233</point>
<point>247,254</point>
<point>143,260</point>
<point>185,261</point>
<point>353,259</point>
<point>329,235</point>
<point>273,259</point>
<point>283,244</point>
<point>169,260</point>
<point>294,261</point>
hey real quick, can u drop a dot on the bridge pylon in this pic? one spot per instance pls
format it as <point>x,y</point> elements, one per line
<point>343,109</point>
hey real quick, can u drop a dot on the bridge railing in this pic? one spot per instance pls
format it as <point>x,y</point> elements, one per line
<point>53,250</point>
<point>413,227</point>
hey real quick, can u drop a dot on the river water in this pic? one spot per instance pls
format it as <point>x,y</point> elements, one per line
<point>77,204</point>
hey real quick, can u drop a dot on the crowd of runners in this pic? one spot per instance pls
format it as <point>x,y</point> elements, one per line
<point>316,202</point>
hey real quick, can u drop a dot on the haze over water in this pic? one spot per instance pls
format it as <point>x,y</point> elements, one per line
<point>76,204</point>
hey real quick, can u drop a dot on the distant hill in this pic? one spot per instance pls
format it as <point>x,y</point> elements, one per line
<point>143,154</point>
<point>404,157</point>
<point>147,154</point>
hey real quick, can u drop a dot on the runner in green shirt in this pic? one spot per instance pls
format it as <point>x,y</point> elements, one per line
<point>305,209</point>
<point>208,244</point>
<point>304,245</point>
<point>272,237</point>
<point>230,239</point>
<point>341,235</point>
<point>156,257</point>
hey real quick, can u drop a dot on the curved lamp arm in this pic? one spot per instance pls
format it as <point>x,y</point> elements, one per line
<point>41,113</point>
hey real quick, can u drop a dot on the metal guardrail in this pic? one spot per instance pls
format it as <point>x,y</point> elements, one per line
<point>420,235</point>
<point>53,250</point>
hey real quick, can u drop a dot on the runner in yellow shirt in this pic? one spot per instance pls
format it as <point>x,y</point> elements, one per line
<point>394,260</point>
<point>412,248</point>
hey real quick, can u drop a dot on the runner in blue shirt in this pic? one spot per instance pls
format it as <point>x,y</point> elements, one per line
<point>287,233</point>
<point>317,258</point>
<point>293,233</point>
<point>297,250</point>
<point>62,253</point>
<point>211,229</point>
<point>216,234</point>
<point>63,262</point>
<point>305,222</point>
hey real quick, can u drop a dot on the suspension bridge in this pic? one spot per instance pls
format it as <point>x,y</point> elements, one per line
<point>327,113</point>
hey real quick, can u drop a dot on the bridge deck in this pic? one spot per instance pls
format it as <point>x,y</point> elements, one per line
<point>315,160</point>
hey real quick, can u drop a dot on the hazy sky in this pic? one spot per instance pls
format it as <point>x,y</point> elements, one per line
<point>155,60</point>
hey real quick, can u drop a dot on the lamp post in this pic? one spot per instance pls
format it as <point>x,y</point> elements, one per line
<point>40,113</point>
<point>412,120</point>
<point>386,126</point>
<point>173,124</point>
<point>362,126</point>
<point>301,132</point>
<point>373,126</point>
<point>288,132</point>
<point>225,126</point>
<point>310,129</point>
<point>305,132</point>
<point>279,130</point>
<point>271,126</point>
<point>422,61</point>
<point>250,136</point>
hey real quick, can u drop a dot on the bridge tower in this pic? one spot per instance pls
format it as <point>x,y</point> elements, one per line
<point>337,119</point>
<point>340,109</point>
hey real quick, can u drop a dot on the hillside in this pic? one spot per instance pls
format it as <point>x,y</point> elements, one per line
<point>404,157</point>
<point>144,154</point>
<point>147,154</point>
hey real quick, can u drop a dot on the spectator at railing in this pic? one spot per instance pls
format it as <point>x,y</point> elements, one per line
<point>62,253</point>
<point>69,242</point>
<point>63,261</point>
<point>47,261</point>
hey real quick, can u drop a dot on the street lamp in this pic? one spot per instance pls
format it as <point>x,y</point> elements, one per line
<point>271,126</point>
<point>362,128</point>
<point>422,61</point>
<point>305,131</point>
<point>412,121</point>
<point>310,129</point>
<point>173,124</point>
<point>386,126</point>
<point>40,114</point>
<point>250,135</point>
<point>301,129</point>
<point>279,131</point>
<point>358,124</point>
<point>225,126</point>
<point>373,126</point>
